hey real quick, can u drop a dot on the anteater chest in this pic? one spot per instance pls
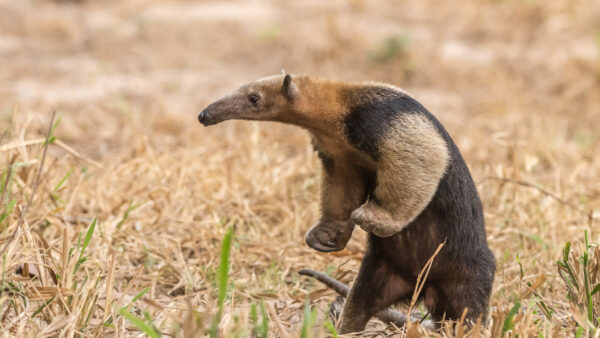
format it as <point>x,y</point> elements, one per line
<point>336,147</point>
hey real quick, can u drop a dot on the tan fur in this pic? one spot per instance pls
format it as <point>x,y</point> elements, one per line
<point>414,158</point>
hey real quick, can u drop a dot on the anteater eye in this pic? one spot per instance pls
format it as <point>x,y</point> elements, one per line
<point>253,98</point>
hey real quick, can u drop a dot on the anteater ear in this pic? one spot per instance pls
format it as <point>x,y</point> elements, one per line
<point>289,88</point>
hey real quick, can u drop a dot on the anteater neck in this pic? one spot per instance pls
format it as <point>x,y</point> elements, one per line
<point>320,108</point>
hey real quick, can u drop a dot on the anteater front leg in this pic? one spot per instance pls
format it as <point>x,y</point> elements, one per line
<point>398,198</point>
<point>344,187</point>
<point>411,164</point>
<point>376,287</point>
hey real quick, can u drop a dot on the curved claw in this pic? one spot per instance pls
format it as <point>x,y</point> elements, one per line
<point>328,237</point>
<point>322,247</point>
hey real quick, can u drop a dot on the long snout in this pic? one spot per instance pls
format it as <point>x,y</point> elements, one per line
<point>219,111</point>
<point>207,116</point>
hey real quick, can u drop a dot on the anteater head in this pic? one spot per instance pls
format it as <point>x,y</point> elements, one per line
<point>265,100</point>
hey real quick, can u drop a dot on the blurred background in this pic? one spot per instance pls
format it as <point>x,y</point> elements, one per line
<point>516,83</point>
<point>471,57</point>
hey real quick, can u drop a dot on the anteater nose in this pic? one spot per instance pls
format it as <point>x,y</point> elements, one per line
<point>201,116</point>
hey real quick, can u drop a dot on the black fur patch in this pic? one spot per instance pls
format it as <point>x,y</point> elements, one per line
<point>327,161</point>
<point>367,122</point>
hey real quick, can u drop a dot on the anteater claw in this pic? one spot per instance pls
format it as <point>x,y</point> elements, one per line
<point>329,236</point>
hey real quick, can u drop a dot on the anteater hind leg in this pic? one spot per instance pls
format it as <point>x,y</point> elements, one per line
<point>457,295</point>
<point>376,287</point>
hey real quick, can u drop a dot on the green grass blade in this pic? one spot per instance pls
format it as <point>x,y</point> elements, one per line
<point>86,242</point>
<point>87,319</point>
<point>7,212</point>
<point>596,289</point>
<point>332,330</point>
<point>63,180</point>
<point>224,266</point>
<point>586,282</point>
<point>521,271</point>
<point>51,138</point>
<point>42,307</point>
<point>548,312</point>
<point>138,296</point>
<point>508,322</point>
<point>566,252</point>
<point>264,328</point>
<point>565,264</point>
<point>130,208</point>
<point>259,330</point>
<point>573,279</point>
<point>305,320</point>
<point>579,332</point>
<point>254,320</point>
<point>147,329</point>
<point>223,276</point>
<point>308,320</point>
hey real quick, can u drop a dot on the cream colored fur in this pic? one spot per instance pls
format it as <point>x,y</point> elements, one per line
<point>414,158</point>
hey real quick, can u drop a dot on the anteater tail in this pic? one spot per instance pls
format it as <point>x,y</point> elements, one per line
<point>386,316</point>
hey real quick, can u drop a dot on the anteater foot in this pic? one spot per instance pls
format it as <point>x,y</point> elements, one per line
<point>329,236</point>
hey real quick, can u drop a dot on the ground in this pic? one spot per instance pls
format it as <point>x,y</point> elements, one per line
<point>516,83</point>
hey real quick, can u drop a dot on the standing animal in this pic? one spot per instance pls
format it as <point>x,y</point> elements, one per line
<point>390,167</point>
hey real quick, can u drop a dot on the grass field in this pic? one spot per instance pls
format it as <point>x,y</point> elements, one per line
<point>114,212</point>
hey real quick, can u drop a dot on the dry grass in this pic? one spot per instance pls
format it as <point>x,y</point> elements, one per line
<point>516,83</point>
